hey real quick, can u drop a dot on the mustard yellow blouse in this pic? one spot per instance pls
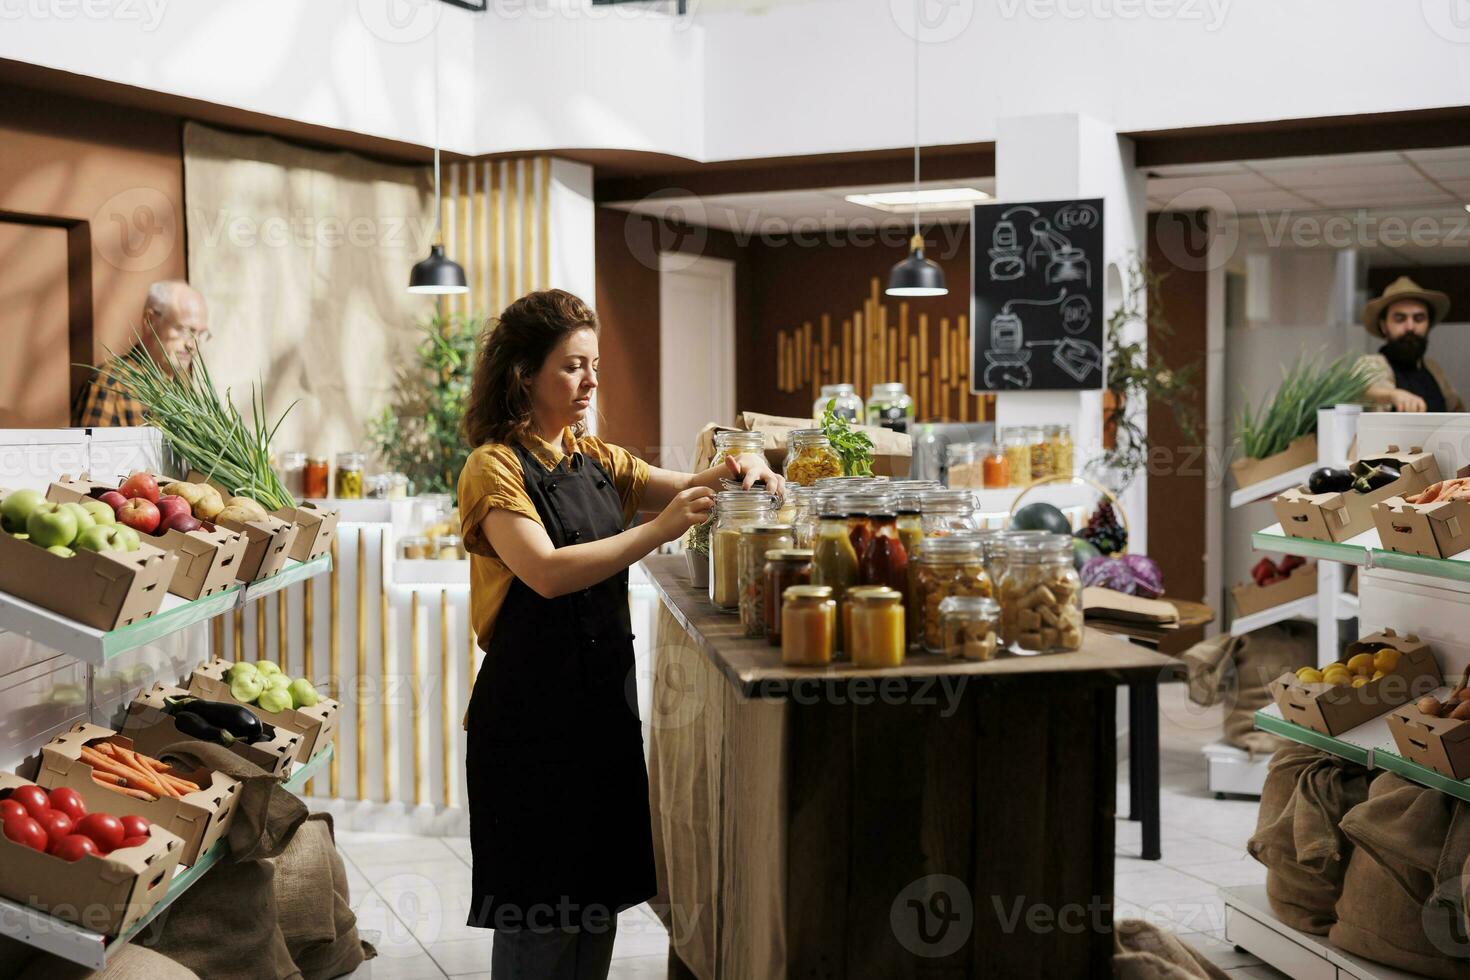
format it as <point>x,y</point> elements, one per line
<point>492,477</point>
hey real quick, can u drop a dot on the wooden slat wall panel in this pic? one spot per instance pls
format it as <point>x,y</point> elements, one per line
<point>497,224</point>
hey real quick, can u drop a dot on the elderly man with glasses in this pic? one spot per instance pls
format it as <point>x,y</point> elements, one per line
<point>175,321</point>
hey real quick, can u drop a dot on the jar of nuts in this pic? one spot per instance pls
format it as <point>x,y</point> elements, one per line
<point>1040,595</point>
<point>969,627</point>
<point>945,567</point>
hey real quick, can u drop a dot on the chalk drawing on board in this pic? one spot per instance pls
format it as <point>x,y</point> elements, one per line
<point>1005,254</point>
<point>1055,256</point>
<point>1078,358</point>
<point>1076,314</point>
<point>1007,359</point>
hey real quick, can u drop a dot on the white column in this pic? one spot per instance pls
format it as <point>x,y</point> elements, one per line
<point>1056,157</point>
<point>571,230</point>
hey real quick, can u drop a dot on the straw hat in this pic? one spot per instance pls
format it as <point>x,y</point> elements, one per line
<point>1404,288</point>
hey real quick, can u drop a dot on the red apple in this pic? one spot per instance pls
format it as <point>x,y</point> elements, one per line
<point>26,832</point>
<point>103,828</point>
<point>75,847</point>
<point>69,802</point>
<point>140,514</point>
<point>140,484</point>
<point>179,522</point>
<point>134,826</point>
<point>33,798</point>
<point>113,499</point>
<point>57,825</point>
<point>169,505</point>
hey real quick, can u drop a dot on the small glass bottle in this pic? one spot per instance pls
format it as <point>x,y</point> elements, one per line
<point>315,482</point>
<point>293,473</point>
<point>847,403</point>
<point>876,629</point>
<point>965,464</point>
<point>809,457</point>
<point>349,475</point>
<point>947,566</point>
<point>803,501</point>
<point>1041,596</point>
<point>1018,455</point>
<point>755,541</point>
<point>785,567</point>
<point>734,511</point>
<point>997,468</point>
<point>808,626</point>
<point>969,627</point>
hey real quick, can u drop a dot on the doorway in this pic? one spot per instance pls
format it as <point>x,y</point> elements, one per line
<point>696,352</point>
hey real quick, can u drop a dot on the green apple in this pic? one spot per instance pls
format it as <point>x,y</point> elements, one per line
<point>125,538</point>
<point>303,695</point>
<point>267,667</point>
<point>101,513</point>
<point>17,509</point>
<point>242,669</point>
<point>275,699</point>
<point>96,538</point>
<point>276,681</point>
<point>245,688</point>
<point>75,509</point>
<point>49,525</point>
<point>61,551</point>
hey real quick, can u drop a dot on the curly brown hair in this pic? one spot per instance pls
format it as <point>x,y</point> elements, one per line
<point>512,349</point>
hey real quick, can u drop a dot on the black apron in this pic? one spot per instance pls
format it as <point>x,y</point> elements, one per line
<point>1418,380</point>
<point>558,790</point>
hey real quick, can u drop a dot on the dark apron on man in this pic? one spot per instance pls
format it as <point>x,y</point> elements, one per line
<point>558,790</point>
<point>1418,380</point>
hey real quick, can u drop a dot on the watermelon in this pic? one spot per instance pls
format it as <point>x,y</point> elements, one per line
<point>1041,517</point>
<point>1082,550</point>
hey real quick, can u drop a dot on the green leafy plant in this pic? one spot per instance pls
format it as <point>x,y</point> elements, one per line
<point>418,434</point>
<point>853,448</point>
<point>696,539</point>
<point>1290,412</point>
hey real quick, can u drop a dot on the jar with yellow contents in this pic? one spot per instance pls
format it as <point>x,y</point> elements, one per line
<point>877,630</point>
<point>949,566</point>
<point>349,475</point>
<point>1041,596</point>
<point>734,511</point>
<point>808,626</point>
<point>810,457</point>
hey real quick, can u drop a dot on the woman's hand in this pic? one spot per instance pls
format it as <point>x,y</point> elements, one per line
<point>688,508</point>
<point>750,467</point>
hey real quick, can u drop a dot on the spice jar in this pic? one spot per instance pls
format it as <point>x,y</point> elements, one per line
<point>846,402</point>
<point>293,473</point>
<point>809,457</point>
<point>946,567</point>
<point>876,627</point>
<point>890,406</point>
<point>314,477</point>
<point>415,546</point>
<point>997,468</point>
<point>1018,455</point>
<point>834,560</point>
<point>1041,596</point>
<point>785,567</point>
<point>965,465</point>
<point>755,541</point>
<point>948,511</point>
<point>349,475</point>
<point>1059,445</point>
<point>737,443</point>
<point>808,626</point>
<point>447,547</point>
<point>734,510</point>
<point>375,487</point>
<point>1039,453</point>
<point>968,627</point>
<point>397,486</point>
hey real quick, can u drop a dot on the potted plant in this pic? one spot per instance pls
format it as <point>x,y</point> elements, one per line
<point>696,554</point>
<point>1279,435</point>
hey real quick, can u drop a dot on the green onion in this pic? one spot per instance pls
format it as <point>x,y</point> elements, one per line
<point>1292,410</point>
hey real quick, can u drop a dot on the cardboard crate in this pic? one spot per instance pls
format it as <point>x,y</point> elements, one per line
<point>316,725</point>
<point>100,589</point>
<point>152,730</point>
<point>315,529</point>
<point>198,819</point>
<point>105,894</point>
<point>1251,598</point>
<point>1301,451</point>
<point>208,557</point>
<point>1441,744</point>
<point>1332,710</point>
<point>267,546</point>
<point>1440,529</point>
<point>1342,515</point>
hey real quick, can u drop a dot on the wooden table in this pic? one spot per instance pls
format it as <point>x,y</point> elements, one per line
<point>943,819</point>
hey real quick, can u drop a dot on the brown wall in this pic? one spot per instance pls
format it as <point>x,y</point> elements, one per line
<point>113,178</point>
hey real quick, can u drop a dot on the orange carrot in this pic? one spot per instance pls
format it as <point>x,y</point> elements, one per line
<point>136,794</point>
<point>118,767</point>
<point>146,775</point>
<point>165,776</point>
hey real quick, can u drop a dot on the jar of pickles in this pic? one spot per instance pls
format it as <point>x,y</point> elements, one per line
<point>1041,596</point>
<point>315,477</point>
<point>876,628</point>
<point>809,457</point>
<point>1018,455</point>
<point>1059,445</point>
<point>737,443</point>
<point>947,566</point>
<point>755,541</point>
<point>348,485</point>
<point>808,626</point>
<point>784,568</point>
<point>734,511</point>
<point>969,627</point>
<point>948,511</point>
<point>293,473</point>
<point>846,402</point>
<point>996,467</point>
<point>965,465</point>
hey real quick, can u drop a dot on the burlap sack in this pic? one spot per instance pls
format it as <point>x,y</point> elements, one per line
<point>313,903</point>
<point>1388,911</point>
<point>1298,837</point>
<point>1145,952</point>
<point>132,962</point>
<point>1209,668</point>
<point>1270,652</point>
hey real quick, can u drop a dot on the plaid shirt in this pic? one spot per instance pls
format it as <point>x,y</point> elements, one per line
<point>103,403</point>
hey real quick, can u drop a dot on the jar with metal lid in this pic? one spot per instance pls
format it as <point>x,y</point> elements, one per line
<point>808,626</point>
<point>375,487</point>
<point>1018,455</point>
<point>890,406</point>
<point>965,465</point>
<point>947,511</point>
<point>809,457</point>
<point>734,511</point>
<point>349,475</point>
<point>996,546</point>
<point>397,486</point>
<point>1039,452</point>
<point>995,467</point>
<point>737,443</point>
<point>755,541</point>
<point>293,472</point>
<point>1059,444</point>
<point>802,502</point>
<point>834,560</point>
<point>876,630</point>
<point>969,627</point>
<point>415,546</point>
<point>1041,596</point>
<point>849,484</point>
<point>946,566</point>
<point>447,547</point>
<point>784,568</point>
<point>845,399</point>
<point>315,482</point>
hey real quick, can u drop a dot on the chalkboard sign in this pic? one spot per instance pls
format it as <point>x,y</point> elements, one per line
<point>1036,315</point>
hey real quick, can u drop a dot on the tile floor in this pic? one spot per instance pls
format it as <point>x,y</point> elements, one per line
<point>414,891</point>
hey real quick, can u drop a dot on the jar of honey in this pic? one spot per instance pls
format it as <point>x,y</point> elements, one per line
<point>808,626</point>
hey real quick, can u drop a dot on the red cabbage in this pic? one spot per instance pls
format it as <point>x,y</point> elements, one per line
<point>1148,580</point>
<point>1108,573</point>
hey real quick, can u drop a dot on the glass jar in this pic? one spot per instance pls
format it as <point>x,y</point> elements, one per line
<point>375,487</point>
<point>734,511</point>
<point>890,406</point>
<point>847,403</point>
<point>1018,455</point>
<point>293,473</point>
<point>968,627</point>
<point>1041,596</point>
<point>911,533</point>
<point>965,464</point>
<point>784,568</point>
<point>1039,453</point>
<point>348,484</point>
<point>946,567</point>
<point>808,626</point>
<point>802,502</point>
<point>834,560</point>
<point>415,547</point>
<point>1059,444</point>
<point>397,486</point>
<point>809,457</point>
<point>884,559</point>
<point>928,449</point>
<point>447,547</point>
<point>996,467</point>
<point>736,443</point>
<point>315,477</point>
<point>947,511</point>
<point>876,629</point>
<point>755,541</point>
<point>997,546</point>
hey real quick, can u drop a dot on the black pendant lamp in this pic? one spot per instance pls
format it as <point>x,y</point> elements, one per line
<point>916,275</point>
<point>438,275</point>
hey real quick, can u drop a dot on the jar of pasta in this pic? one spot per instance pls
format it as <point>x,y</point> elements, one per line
<point>1041,596</point>
<point>948,511</point>
<point>965,465</point>
<point>995,467</point>
<point>946,567</point>
<point>969,627</point>
<point>1039,453</point>
<point>1018,455</point>
<point>809,457</point>
<point>349,475</point>
<point>1059,445</point>
<point>734,511</point>
<point>785,567</point>
<point>808,626</point>
<point>876,630</point>
<point>755,541</point>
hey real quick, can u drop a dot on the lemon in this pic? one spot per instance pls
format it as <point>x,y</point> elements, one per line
<point>1336,663</point>
<point>1360,680</point>
<point>1376,675</point>
<point>1309,675</point>
<point>1386,659</point>
<point>1339,677</point>
<point>1361,664</point>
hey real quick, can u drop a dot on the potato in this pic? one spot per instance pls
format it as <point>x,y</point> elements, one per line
<point>250,505</point>
<point>192,492</point>
<point>210,502</point>
<point>237,514</point>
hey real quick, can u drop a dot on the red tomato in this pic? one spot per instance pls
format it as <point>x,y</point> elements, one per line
<point>33,798</point>
<point>74,847</point>
<point>135,842</point>
<point>134,826</point>
<point>69,802</point>
<point>11,808</point>
<point>26,832</point>
<point>104,829</point>
<point>57,825</point>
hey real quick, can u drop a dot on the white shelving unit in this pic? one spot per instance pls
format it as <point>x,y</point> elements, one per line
<point>1303,608</point>
<point>1250,924</point>
<point>1267,489</point>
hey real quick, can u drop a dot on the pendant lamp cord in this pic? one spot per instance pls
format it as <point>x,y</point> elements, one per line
<point>916,115</point>
<point>438,202</point>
